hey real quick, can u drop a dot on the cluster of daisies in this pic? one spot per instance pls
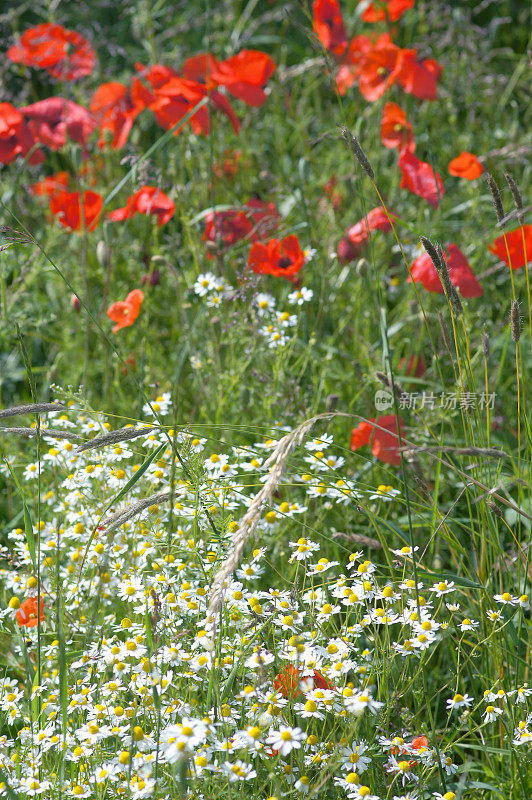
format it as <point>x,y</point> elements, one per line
<point>116,684</point>
<point>274,324</point>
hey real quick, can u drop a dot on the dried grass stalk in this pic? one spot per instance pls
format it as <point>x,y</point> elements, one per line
<point>121,435</point>
<point>31,408</point>
<point>42,433</point>
<point>277,461</point>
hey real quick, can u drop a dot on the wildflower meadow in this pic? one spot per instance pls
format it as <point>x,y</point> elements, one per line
<point>265,400</point>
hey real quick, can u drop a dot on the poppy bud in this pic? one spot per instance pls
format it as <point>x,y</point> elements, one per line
<point>155,278</point>
<point>347,251</point>
<point>75,302</point>
<point>103,254</point>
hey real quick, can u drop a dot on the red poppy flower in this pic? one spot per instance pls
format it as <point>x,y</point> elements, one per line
<point>351,62</point>
<point>50,185</point>
<point>396,131</point>
<point>420,178</point>
<point>519,253</point>
<point>289,681</point>
<point>255,219</point>
<point>124,313</point>
<point>379,69</point>
<point>244,75</point>
<point>148,200</point>
<point>386,10</point>
<point>357,235</point>
<point>76,211</point>
<point>173,97</point>
<point>280,257</point>
<point>64,54</point>
<point>460,272</point>
<point>384,443</point>
<point>467,166</point>
<point>51,120</point>
<point>16,138</point>
<point>418,78</point>
<point>28,612</point>
<point>115,110</point>
<point>328,24</point>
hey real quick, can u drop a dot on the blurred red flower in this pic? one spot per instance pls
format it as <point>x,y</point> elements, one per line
<point>174,97</point>
<point>77,211</point>
<point>256,219</point>
<point>384,443</point>
<point>229,166</point>
<point>50,185</point>
<point>124,313</point>
<point>418,78</point>
<point>386,10</point>
<point>244,75</point>
<point>420,178</point>
<point>349,68</point>
<point>460,272</point>
<point>357,235</point>
<point>415,367</point>
<point>328,24</point>
<point>289,681</point>
<point>396,131</point>
<point>148,200</point>
<point>16,138</point>
<point>64,54</point>
<point>280,257</point>
<point>379,68</point>
<point>467,166</point>
<point>115,110</point>
<point>518,252</point>
<point>51,120</point>
<point>28,612</point>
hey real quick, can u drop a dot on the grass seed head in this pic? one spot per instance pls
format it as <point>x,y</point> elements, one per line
<point>495,196</point>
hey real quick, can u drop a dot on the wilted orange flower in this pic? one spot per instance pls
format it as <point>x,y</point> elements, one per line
<point>64,54</point>
<point>124,313</point>
<point>148,200</point>
<point>384,443</point>
<point>291,683</point>
<point>396,131</point>
<point>115,110</point>
<point>28,611</point>
<point>386,10</point>
<point>510,248</point>
<point>77,210</point>
<point>466,165</point>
